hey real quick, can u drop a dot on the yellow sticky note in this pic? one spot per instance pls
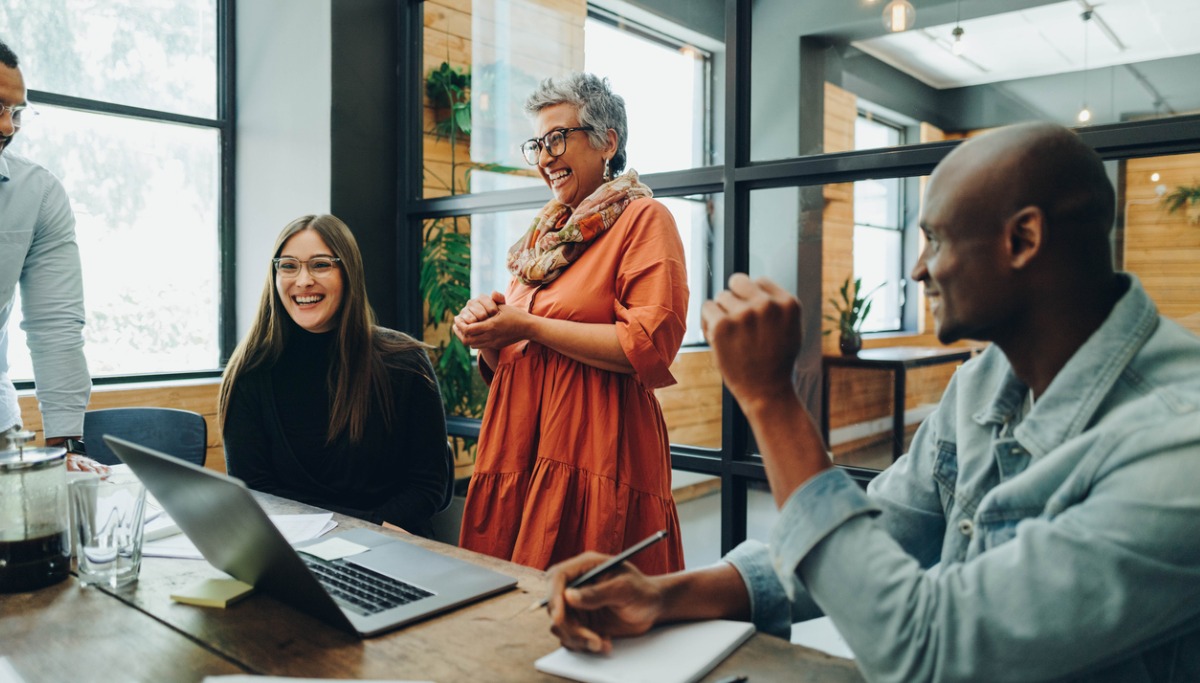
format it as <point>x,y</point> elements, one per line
<point>213,593</point>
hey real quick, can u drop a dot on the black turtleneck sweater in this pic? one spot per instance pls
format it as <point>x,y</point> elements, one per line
<point>275,439</point>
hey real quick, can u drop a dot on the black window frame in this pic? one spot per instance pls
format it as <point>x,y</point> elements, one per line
<point>734,462</point>
<point>225,124</point>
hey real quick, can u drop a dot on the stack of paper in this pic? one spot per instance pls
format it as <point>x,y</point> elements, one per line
<point>295,528</point>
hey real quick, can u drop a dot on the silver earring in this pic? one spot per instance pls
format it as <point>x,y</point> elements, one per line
<point>607,171</point>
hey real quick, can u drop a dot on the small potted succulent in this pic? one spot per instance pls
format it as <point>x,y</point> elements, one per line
<point>852,310</point>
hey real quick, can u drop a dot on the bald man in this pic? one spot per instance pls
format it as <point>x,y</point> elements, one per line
<point>1043,525</point>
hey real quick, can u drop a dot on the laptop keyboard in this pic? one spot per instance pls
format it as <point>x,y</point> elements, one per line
<point>362,590</point>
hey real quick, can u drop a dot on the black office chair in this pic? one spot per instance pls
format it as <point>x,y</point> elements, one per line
<point>448,494</point>
<point>180,433</point>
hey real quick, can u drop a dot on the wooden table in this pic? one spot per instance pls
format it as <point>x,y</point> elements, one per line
<point>66,632</point>
<point>898,360</point>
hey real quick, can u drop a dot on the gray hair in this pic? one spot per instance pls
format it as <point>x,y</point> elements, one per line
<point>599,107</point>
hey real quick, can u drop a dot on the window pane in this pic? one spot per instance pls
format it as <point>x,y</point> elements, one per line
<point>474,119</point>
<point>157,55</point>
<point>869,133</point>
<point>805,239</point>
<point>1142,67</point>
<point>666,113</point>
<point>877,202</point>
<point>877,260</point>
<point>145,196</point>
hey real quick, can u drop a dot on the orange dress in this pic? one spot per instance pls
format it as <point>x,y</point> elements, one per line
<point>572,457</point>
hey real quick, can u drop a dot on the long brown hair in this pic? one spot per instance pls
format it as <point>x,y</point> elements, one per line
<point>363,352</point>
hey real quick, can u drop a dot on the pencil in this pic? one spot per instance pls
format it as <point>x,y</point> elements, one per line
<point>590,575</point>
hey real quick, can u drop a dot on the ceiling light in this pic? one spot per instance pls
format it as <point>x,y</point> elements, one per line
<point>957,46</point>
<point>1085,114</point>
<point>898,16</point>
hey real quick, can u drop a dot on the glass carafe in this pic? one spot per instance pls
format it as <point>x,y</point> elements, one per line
<point>35,548</point>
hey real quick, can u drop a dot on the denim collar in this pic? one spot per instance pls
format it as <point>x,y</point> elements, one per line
<point>1071,400</point>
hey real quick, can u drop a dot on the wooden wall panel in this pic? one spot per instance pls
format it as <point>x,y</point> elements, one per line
<point>692,408</point>
<point>1162,248</point>
<point>199,396</point>
<point>837,219</point>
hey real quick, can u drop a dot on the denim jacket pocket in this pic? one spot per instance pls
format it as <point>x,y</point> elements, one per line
<point>945,474</point>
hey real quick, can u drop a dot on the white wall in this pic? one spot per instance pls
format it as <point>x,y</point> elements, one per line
<point>283,155</point>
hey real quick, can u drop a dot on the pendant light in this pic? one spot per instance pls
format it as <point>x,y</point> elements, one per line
<point>1085,114</point>
<point>957,46</point>
<point>898,15</point>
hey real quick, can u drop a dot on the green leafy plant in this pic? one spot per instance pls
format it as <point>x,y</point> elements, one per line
<point>446,255</point>
<point>449,90</point>
<point>446,288</point>
<point>1186,197</point>
<point>853,308</point>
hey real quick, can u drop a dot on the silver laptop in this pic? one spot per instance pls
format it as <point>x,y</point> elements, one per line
<point>391,584</point>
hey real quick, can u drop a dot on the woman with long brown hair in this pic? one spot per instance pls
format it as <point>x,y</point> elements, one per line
<point>321,405</point>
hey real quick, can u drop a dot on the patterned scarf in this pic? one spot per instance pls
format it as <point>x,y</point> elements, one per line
<point>545,250</point>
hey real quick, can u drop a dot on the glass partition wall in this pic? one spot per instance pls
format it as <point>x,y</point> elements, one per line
<point>788,143</point>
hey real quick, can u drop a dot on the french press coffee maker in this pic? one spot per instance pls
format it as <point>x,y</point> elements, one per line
<point>35,546</point>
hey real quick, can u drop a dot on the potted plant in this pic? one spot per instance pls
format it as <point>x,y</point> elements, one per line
<point>852,310</point>
<point>1186,197</point>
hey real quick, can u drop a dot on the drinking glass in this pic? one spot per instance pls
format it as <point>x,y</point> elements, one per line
<point>107,517</point>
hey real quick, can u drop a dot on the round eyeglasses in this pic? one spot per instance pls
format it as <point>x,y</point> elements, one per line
<point>18,112</point>
<point>554,142</point>
<point>288,268</point>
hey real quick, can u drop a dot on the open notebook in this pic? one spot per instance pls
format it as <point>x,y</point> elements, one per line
<point>678,653</point>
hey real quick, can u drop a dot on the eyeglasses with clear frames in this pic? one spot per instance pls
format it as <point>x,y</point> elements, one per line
<point>18,112</point>
<point>288,268</point>
<point>554,142</point>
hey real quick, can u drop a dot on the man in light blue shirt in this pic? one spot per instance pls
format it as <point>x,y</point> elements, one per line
<point>38,252</point>
<point>1043,524</point>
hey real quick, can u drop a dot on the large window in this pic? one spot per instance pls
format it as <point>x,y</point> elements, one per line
<point>669,124</point>
<point>132,121</point>
<point>879,230</point>
<point>788,87</point>
<point>669,129</point>
<point>665,84</point>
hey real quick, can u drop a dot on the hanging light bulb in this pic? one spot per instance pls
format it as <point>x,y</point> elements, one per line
<point>1085,114</point>
<point>898,15</point>
<point>957,46</point>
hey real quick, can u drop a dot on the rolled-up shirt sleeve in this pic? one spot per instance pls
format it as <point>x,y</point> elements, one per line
<point>52,305</point>
<point>651,293</point>
<point>1098,582</point>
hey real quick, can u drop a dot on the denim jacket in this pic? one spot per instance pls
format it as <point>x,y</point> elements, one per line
<point>1066,548</point>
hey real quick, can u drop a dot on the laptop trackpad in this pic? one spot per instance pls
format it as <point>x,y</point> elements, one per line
<point>409,563</point>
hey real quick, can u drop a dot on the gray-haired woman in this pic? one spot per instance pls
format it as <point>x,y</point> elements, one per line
<point>573,450</point>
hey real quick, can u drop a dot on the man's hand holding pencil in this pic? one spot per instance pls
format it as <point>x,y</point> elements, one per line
<point>621,602</point>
